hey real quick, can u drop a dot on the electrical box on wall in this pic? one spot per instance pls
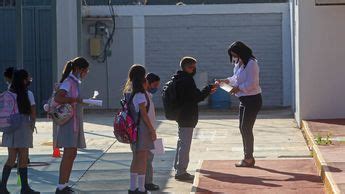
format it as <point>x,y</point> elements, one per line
<point>95,46</point>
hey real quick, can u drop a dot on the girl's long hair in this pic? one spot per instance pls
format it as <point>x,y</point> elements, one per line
<point>21,89</point>
<point>242,50</point>
<point>71,65</point>
<point>135,80</point>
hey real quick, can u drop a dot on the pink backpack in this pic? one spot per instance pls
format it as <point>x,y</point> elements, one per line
<point>125,127</point>
<point>9,113</point>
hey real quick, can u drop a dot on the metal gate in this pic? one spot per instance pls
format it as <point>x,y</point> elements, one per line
<point>37,43</point>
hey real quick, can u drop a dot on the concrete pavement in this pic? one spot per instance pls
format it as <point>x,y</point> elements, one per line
<point>104,166</point>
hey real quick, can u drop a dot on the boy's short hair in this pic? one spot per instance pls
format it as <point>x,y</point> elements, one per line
<point>186,61</point>
<point>151,77</point>
<point>8,73</point>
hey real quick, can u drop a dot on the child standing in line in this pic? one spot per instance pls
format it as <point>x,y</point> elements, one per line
<point>139,102</point>
<point>153,82</point>
<point>70,136</point>
<point>19,142</point>
<point>8,76</point>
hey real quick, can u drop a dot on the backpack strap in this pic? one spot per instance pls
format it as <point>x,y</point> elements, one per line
<point>147,106</point>
<point>75,92</point>
<point>148,102</point>
<point>15,104</point>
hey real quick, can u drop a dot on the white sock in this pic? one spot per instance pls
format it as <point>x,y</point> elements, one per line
<point>141,183</point>
<point>133,181</point>
<point>61,186</point>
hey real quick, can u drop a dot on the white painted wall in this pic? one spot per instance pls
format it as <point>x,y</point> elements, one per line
<point>139,13</point>
<point>319,57</point>
<point>67,36</point>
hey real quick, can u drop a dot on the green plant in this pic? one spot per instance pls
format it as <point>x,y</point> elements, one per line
<point>323,140</point>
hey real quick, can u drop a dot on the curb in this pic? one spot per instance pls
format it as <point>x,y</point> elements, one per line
<point>196,177</point>
<point>324,171</point>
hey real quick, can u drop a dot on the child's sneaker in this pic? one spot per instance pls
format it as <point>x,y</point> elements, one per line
<point>4,190</point>
<point>66,190</point>
<point>29,191</point>
<point>132,192</point>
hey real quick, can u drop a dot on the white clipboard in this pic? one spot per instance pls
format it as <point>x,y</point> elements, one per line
<point>93,102</point>
<point>225,87</point>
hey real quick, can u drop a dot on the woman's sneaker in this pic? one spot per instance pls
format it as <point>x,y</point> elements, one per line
<point>66,190</point>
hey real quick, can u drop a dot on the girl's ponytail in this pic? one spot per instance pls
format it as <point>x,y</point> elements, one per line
<point>66,71</point>
<point>78,62</point>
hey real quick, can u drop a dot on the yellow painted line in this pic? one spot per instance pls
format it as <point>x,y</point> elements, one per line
<point>326,176</point>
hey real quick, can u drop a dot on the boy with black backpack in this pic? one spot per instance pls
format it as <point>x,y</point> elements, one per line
<point>180,100</point>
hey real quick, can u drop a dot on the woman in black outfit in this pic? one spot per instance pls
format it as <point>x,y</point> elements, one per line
<point>246,86</point>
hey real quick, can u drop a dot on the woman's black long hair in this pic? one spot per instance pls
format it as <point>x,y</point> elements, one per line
<point>21,89</point>
<point>242,50</point>
<point>70,66</point>
<point>136,79</point>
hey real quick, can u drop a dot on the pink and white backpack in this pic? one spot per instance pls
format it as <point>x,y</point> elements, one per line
<point>9,113</point>
<point>61,113</point>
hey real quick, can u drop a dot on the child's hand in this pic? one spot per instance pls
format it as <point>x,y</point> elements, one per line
<point>153,135</point>
<point>213,89</point>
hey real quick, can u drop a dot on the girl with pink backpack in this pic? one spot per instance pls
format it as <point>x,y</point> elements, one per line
<point>19,140</point>
<point>70,133</point>
<point>139,105</point>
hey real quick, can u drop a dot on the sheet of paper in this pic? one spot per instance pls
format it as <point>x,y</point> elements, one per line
<point>93,102</point>
<point>159,147</point>
<point>95,94</point>
<point>225,87</point>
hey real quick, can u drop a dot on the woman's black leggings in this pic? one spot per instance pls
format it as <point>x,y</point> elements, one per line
<point>249,109</point>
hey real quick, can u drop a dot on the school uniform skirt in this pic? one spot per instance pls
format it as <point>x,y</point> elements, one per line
<point>144,140</point>
<point>22,137</point>
<point>67,136</point>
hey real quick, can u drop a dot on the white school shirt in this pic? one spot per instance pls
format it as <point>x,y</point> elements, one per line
<point>30,96</point>
<point>140,98</point>
<point>247,79</point>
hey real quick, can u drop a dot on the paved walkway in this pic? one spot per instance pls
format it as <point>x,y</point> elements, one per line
<point>283,176</point>
<point>104,166</point>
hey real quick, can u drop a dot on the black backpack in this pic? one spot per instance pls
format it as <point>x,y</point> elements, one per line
<point>170,103</point>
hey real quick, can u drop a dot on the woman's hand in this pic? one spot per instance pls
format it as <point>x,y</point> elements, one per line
<point>234,90</point>
<point>153,135</point>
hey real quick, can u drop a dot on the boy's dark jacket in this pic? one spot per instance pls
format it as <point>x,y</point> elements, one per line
<point>188,97</point>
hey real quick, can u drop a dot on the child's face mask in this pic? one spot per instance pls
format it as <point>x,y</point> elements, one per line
<point>153,90</point>
<point>82,73</point>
